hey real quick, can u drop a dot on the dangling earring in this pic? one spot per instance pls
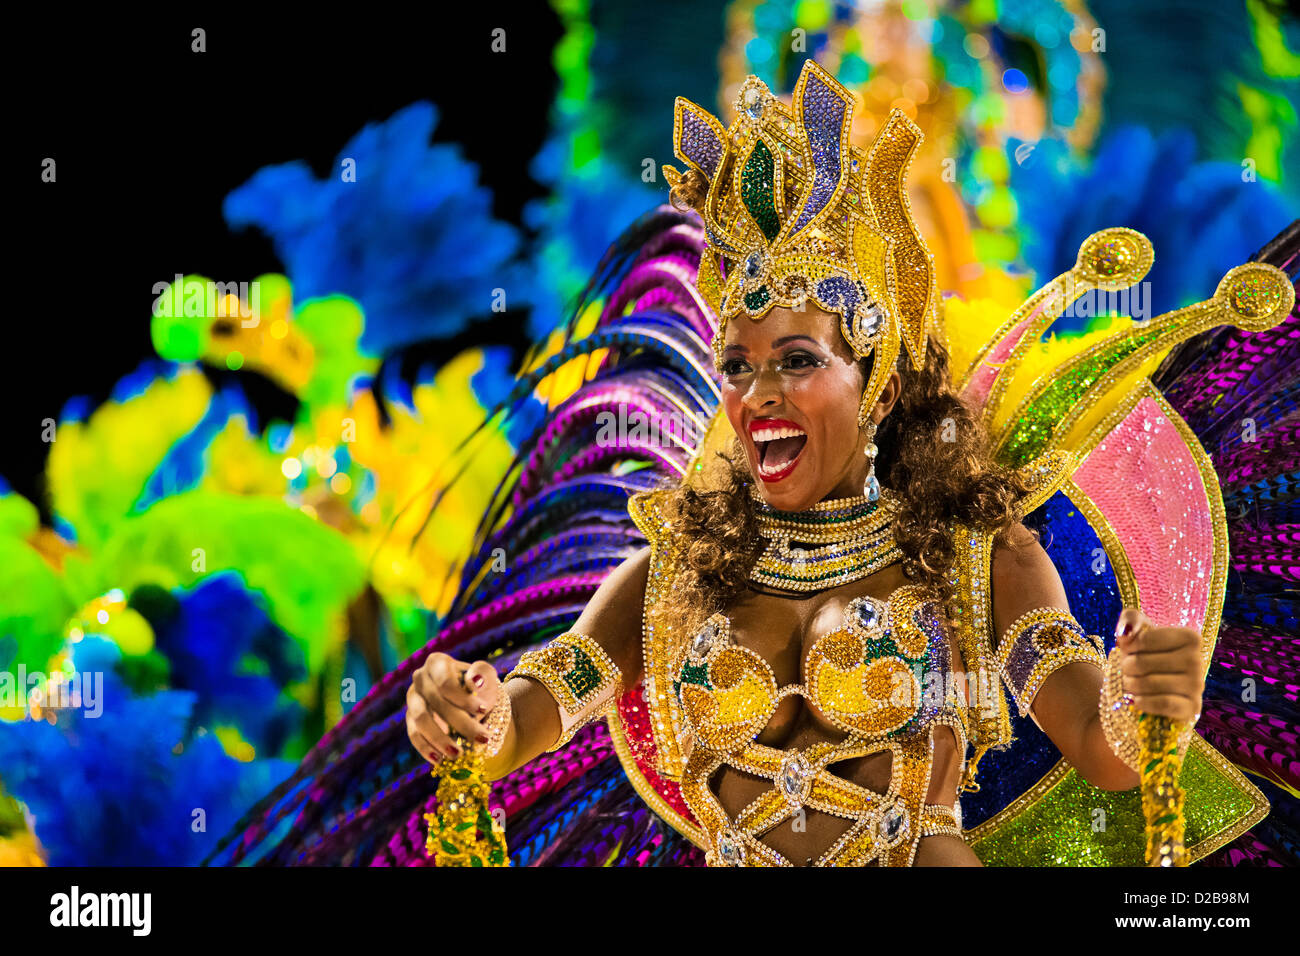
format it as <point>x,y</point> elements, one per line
<point>871,488</point>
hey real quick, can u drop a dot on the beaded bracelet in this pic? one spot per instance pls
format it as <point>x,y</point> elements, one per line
<point>495,726</point>
<point>1119,718</point>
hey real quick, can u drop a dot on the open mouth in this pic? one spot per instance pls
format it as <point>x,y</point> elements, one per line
<point>779,444</point>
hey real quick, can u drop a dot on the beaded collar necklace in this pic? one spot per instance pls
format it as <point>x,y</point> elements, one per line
<point>841,540</point>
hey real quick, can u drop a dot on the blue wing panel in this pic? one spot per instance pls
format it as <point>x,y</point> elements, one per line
<point>1095,602</point>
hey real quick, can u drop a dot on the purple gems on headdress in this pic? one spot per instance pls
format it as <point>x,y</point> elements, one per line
<point>700,144</point>
<point>717,241</point>
<point>863,317</point>
<point>823,117</point>
<point>839,293</point>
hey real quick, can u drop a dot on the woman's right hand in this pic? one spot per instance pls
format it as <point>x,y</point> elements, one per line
<point>448,696</point>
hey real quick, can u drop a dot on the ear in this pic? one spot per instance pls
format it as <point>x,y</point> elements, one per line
<point>889,395</point>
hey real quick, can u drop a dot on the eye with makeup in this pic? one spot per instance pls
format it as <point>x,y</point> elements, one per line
<point>796,360</point>
<point>733,366</point>
<point>800,361</point>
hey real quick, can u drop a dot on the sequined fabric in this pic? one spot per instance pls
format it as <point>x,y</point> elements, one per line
<point>1063,821</point>
<point>1036,644</point>
<point>797,212</point>
<point>884,677</point>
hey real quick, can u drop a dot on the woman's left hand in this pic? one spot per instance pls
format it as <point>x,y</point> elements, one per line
<point>1162,667</point>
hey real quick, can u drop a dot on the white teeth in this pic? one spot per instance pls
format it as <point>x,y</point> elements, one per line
<point>772,434</point>
<point>771,469</point>
<point>763,435</point>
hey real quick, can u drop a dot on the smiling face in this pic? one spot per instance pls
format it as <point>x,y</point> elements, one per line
<point>791,389</point>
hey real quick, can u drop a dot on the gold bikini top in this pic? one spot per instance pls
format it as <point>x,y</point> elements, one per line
<point>883,676</point>
<point>883,672</point>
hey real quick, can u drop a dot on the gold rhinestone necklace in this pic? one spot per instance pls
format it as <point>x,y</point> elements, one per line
<point>832,543</point>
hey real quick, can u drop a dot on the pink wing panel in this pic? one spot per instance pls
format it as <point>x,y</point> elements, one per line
<point>986,372</point>
<point>1144,479</point>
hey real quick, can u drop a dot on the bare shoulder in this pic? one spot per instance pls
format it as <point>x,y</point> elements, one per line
<point>1023,577</point>
<point>1020,548</point>
<point>612,618</point>
<point>626,584</point>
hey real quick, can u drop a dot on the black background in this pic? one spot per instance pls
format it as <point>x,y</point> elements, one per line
<point>657,911</point>
<point>149,138</point>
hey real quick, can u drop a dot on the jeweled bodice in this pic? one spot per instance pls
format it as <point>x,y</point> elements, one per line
<point>884,671</point>
<point>883,677</point>
<point>672,772</point>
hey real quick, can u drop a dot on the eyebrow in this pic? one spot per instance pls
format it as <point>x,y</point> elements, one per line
<point>776,343</point>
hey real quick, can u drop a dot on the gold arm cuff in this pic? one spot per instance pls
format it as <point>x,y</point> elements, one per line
<point>577,672</point>
<point>1038,643</point>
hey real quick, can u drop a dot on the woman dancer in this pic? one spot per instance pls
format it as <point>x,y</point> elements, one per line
<point>804,648</point>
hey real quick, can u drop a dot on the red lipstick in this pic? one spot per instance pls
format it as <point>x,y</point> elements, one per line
<point>770,473</point>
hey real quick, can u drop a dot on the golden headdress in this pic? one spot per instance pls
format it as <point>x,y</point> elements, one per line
<point>794,212</point>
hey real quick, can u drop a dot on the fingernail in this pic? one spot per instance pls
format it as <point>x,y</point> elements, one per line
<point>482,709</point>
<point>477,679</point>
<point>482,738</point>
<point>1122,628</point>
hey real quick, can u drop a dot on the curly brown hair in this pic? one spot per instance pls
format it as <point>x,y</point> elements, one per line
<point>934,456</point>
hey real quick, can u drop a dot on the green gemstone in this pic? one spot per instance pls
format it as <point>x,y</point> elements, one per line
<point>881,647</point>
<point>584,677</point>
<point>695,674</point>
<point>757,299</point>
<point>757,181</point>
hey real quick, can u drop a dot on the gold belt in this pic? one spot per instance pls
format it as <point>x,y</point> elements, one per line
<point>885,825</point>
